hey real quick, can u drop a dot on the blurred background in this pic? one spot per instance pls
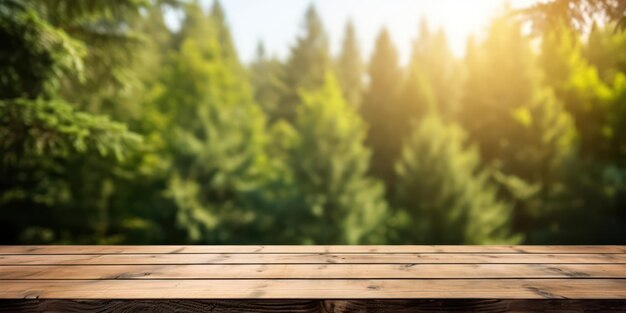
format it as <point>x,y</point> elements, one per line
<point>312,122</point>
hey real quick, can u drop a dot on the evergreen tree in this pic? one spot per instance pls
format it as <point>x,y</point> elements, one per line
<point>442,196</point>
<point>576,13</point>
<point>58,161</point>
<point>379,108</point>
<point>432,59</point>
<point>216,158</point>
<point>606,50</point>
<point>596,106</point>
<point>195,25</point>
<point>266,75</point>
<point>534,132</point>
<point>151,55</point>
<point>349,68</point>
<point>586,208</point>
<point>330,163</point>
<point>223,32</point>
<point>503,60</point>
<point>307,64</point>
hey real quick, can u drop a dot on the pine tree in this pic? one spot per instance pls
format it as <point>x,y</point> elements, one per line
<point>606,50</point>
<point>330,166</point>
<point>524,133</point>
<point>349,68</point>
<point>266,76</point>
<point>58,161</point>
<point>501,61</point>
<point>216,159</point>
<point>442,196</point>
<point>150,60</point>
<point>223,32</point>
<point>195,25</point>
<point>596,107</point>
<point>593,103</point>
<point>433,58</point>
<point>307,64</point>
<point>379,108</point>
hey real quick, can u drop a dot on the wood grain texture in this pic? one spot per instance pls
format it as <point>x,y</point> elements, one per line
<point>343,273</point>
<point>258,258</point>
<point>155,249</point>
<point>312,271</point>
<point>313,306</point>
<point>473,305</point>
<point>141,305</point>
<point>317,289</point>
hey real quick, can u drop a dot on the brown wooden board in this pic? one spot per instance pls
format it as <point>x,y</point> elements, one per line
<point>326,278</point>
<point>302,258</point>
<point>314,271</point>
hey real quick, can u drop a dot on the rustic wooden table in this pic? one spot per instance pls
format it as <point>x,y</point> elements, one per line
<point>312,278</point>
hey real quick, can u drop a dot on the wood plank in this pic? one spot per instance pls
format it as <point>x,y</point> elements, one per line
<point>153,249</point>
<point>316,289</point>
<point>313,306</point>
<point>473,305</point>
<point>325,271</point>
<point>140,305</point>
<point>53,259</point>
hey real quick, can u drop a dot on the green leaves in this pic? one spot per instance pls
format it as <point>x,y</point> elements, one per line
<point>301,150</point>
<point>330,164</point>
<point>52,128</point>
<point>442,195</point>
<point>35,54</point>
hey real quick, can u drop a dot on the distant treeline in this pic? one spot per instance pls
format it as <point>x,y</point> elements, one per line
<point>114,129</point>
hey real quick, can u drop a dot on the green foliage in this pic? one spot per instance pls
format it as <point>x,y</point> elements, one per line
<point>494,66</point>
<point>606,50</point>
<point>54,188</point>
<point>307,64</point>
<point>349,68</point>
<point>48,151</point>
<point>223,32</point>
<point>216,159</point>
<point>379,108</point>
<point>42,128</point>
<point>266,75</point>
<point>594,104</point>
<point>442,195</point>
<point>577,13</point>
<point>512,143</point>
<point>35,55</point>
<point>330,164</point>
<point>433,64</point>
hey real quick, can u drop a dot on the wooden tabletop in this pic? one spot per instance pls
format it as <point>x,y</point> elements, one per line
<point>312,272</point>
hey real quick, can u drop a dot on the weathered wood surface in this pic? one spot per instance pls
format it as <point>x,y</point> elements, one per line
<point>294,273</point>
<point>307,258</point>
<point>312,306</point>
<point>314,271</point>
<point>317,289</point>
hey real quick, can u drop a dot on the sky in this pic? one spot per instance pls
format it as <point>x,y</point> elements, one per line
<point>278,22</point>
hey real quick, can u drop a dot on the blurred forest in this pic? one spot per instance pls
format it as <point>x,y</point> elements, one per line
<point>114,129</point>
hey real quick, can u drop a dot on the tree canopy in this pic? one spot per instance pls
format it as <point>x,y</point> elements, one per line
<point>118,128</point>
